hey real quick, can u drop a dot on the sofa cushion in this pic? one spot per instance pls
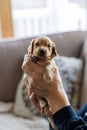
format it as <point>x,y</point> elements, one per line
<point>70,71</point>
<point>23,106</point>
<point>9,121</point>
<point>11,57</point>
<point>6,107</point>
<point>84,84</point>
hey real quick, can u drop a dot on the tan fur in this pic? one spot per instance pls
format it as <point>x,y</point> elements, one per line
<point>47,62</point>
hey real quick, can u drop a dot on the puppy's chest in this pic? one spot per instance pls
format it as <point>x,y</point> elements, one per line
<point>44,64</point>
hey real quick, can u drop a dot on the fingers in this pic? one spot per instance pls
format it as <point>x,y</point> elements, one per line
<point>29,90</point>
<point>28,66</point>
<point>33,67</point>
<point>40,91</point>
<point>26,59</point>
<point>34,100</point>
<point>25,79</point>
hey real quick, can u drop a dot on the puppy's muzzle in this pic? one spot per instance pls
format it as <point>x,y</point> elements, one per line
<point>42,52</point>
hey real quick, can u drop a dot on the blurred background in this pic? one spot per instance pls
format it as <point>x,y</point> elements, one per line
<point>26,18</point>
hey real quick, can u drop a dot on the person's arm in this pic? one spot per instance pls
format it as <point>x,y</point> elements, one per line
<point>63,114</point>
<point>66,119</point>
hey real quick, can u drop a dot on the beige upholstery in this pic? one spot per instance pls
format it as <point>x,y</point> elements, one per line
<point>13,50</point>
<point>84,83</point>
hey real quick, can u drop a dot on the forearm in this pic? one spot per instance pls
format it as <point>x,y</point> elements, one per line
<point>66,119</point>
<point>59,100</point>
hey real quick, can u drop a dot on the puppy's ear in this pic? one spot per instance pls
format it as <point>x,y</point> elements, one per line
<point>31,47</point>
<point>54,51</point>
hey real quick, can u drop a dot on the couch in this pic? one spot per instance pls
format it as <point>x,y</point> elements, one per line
<point>70,44</point>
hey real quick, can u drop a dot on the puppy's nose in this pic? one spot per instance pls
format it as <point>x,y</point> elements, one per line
<point>42,52</point>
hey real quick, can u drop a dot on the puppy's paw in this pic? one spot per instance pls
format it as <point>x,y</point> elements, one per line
<point>34,59</point>
<point>47,77</point>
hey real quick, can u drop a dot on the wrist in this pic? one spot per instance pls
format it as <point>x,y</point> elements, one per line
<point>59,101</point>
<point>58,107</point>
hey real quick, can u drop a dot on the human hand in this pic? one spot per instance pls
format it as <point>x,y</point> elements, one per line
<point>53,91</point>
<point>30,67</point>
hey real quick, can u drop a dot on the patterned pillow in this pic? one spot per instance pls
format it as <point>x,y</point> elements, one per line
<point>23,106</point>
<point>70,71</point>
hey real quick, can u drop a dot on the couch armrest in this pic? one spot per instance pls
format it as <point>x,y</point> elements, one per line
<point>84,83</point>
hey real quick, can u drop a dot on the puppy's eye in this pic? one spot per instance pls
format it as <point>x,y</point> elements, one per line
<point>49,45</point>
<point>37,44</point>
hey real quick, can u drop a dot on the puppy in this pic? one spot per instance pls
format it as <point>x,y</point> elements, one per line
<point>42,51</point>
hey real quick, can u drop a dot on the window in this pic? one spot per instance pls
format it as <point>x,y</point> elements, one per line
<point>32,17</point>
<point>6,27</point>
<point>38,17</point>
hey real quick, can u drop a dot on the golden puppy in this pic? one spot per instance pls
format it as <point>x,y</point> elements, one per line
<point>42,51</point>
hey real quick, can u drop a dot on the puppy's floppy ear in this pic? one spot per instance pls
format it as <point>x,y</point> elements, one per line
<point>31,47</point>
<point>54,51</point>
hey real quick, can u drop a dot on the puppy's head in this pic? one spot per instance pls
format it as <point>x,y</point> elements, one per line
<point>42,47</point>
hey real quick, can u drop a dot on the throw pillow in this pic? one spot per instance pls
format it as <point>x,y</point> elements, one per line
<point>70,71</point>
<point>23,106</point>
